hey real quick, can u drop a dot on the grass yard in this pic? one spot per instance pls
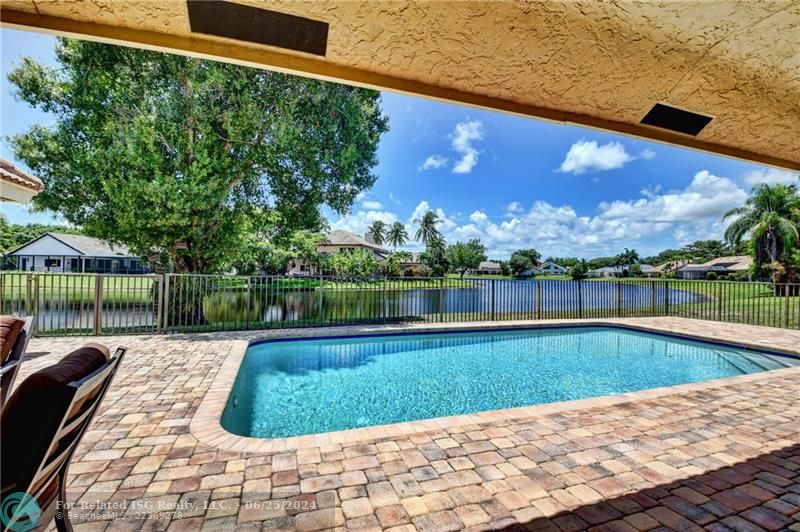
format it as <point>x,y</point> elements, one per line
<point>76,287</point>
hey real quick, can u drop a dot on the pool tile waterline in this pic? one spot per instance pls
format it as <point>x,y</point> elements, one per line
<point>292,388</point>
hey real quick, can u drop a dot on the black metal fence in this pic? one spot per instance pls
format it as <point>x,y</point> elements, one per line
<point>81,304</point>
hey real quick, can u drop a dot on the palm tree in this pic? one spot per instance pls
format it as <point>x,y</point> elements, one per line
<point>631,256</point>
<point>378,231</point>
<point>770,215</point>
<point>428,232</point>
<point>397,235</point>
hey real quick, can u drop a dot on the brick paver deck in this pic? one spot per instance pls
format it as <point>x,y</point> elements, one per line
<point>722,458</point>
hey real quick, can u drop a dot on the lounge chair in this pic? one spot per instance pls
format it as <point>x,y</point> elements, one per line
<point>42,424</point>
<point>15,333</point>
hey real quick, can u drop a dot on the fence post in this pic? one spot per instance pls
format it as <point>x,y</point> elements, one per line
<point>619,299</point>
<point>493,300</point>
<point>441,299</point>
<point>786,289</point>
<point>538,300</point>
<point>159,303</point>
<point>36,304</point>
<point>653,300</point>
<point>580,299</point>
<point>98,305</point>
<point>321,300</point>
<point>165,327</point>
<point>720,295</point>
<point>666,298</point>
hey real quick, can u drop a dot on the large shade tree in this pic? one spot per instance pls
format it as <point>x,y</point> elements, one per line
<point>171,154</point>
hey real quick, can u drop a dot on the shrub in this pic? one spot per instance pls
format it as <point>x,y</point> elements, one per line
<point>711,276</point>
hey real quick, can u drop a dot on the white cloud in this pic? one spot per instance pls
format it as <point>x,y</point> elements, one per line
<point>433,162</point>
<point>463,137</point>
<point>514,206</point>
<point>395,199</point>
<point>646,154</point>
<point>372,205</point>
<point>478,217</point>
<point>358,221</point>
<point>588,155</point>
<point>771,176</point>
<point>656,216</point>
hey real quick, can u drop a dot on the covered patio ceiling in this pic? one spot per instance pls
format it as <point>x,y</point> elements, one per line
<point>602,65</point>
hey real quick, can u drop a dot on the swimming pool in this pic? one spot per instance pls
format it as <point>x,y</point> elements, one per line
<point>307,386</point>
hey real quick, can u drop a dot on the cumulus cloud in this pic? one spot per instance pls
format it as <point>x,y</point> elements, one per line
<point>684,215</point>
<point>771,176</point>
<point>358,221</point>
<point>514,206</point>
<point>646,154</point>
<point>433,162</point>
<point>371,205</point>
<point>463,137</point>
<point>587,155</point>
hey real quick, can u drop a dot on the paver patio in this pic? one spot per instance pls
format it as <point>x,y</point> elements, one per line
<point>720,457</point>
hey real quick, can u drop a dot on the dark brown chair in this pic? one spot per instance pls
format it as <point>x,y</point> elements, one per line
<point>15,333</point>
<point>41,426</point>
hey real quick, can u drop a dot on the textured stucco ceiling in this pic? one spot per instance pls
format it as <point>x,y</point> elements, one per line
<point>601,64</point>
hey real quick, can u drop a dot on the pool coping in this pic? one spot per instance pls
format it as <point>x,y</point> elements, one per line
<point>207,428</point>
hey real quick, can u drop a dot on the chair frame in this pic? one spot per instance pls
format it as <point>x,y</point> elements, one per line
<point>86,396</point>
<point>9,370</point>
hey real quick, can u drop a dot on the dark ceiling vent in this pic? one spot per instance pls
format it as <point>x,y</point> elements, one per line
<point>262,26</point>
<point>674,119</point>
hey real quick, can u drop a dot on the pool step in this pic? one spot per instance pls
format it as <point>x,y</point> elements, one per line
<point>767,362</point>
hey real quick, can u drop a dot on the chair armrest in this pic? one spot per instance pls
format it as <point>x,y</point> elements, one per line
<point>8,366</point>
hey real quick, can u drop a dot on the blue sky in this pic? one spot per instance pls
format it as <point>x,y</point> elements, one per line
<point>511,181</point>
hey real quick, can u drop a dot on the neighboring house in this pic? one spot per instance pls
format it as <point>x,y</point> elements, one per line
<point>739,264</point>
<point>488,267</point>
<point>58,252</point>
<point>617,271</point>
<point>413,265</point>
<point>661,269</point>
<point>16,185</point>
<point>550,268</point>
<point>333,243</point>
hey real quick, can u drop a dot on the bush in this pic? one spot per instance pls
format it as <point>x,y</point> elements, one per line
<point>711,276</point>
<point>231,307</point>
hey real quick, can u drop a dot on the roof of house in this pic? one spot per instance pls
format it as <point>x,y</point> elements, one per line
<point>10,172</point>
<point>546,264</point>
<point>673,264</point>
<point>346,238</point>
<point>488,265</point>
<point>620,269</point>
<point>733,263</point>
<point>85,245</point>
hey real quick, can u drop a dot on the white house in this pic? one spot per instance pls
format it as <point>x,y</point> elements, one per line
<point>488,267</point>
<point>59,252</point>
<point>550,268</point>
<point>333,243</point>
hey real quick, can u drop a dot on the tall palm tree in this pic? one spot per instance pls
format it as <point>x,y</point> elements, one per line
<point>631,256</point>
<point>378,231</point>
<point>397,235</point>
<point>770,215</point>
<point>428,232</point>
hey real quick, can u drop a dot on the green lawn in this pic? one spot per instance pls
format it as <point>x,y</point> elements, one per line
<point>77,288</point>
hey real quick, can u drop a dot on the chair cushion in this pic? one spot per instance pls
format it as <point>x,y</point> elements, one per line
<point>34,412</point>
<point>10,327</point>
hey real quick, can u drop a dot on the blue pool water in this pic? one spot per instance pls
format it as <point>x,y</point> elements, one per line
<point>291,388</point>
